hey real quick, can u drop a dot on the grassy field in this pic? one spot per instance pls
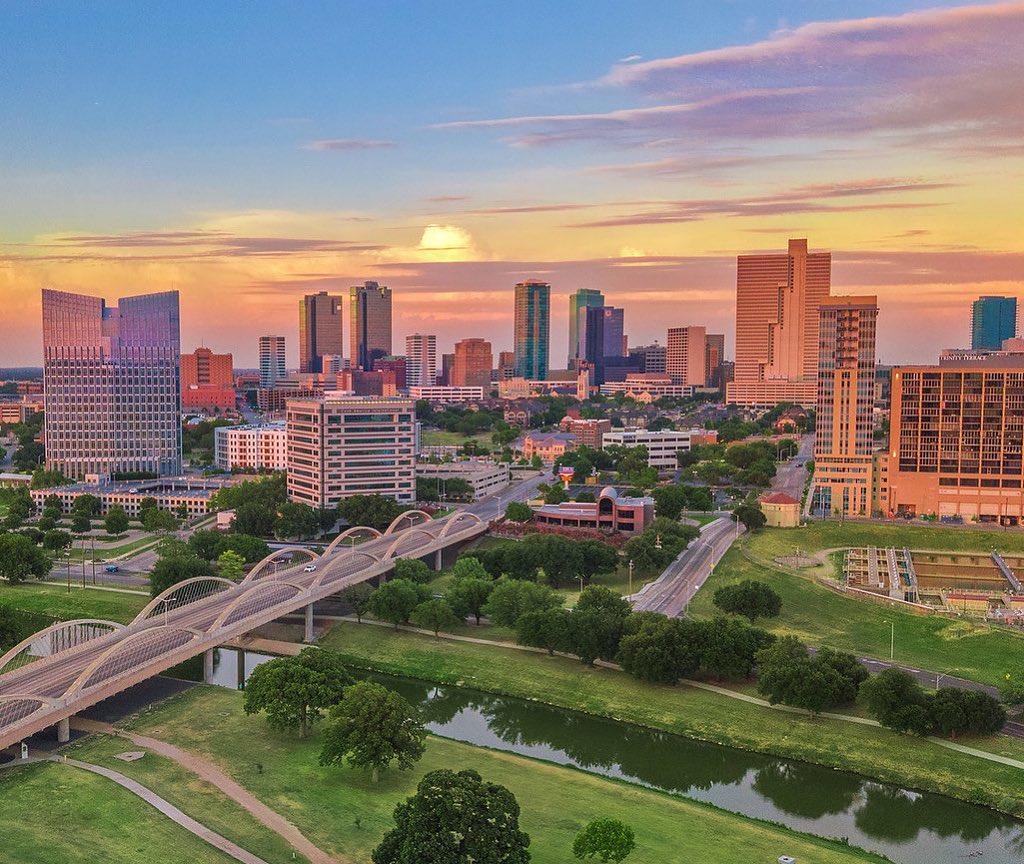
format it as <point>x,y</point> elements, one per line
<point>439,437</point>
<point>344,813</point>
<point>822,617</point>
<point>184,790</point>
<point>106,551</point>
<point>56,814</point>
<point>687,711</point>
<point>55,599</point>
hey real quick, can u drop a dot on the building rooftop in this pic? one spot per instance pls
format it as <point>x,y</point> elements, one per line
<point>778,498</point>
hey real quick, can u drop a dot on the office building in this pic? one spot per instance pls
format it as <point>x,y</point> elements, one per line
<point>611,512</point>
<point>379,382</point>
<point>548,446</point>
<point>662,445</point>
<point>651,357</point>
<point>588,432</point>
<point>582,299</point>
<point>601,340</point>
<point>506,365</point>
<point>343,446</point>
<point>272,360</point>
<point>685,355</point>
<point>174,494</point>
<point>993,321</point>
<point>207,382</point>
<point>420,360</point>
<point>714,354</point>
<point>485,478</point>
<point>396,366</point>
<point>251,448</point>
<point>955,440</point>
<point>647,388</point>
<point>321,329</point>
<point>532,329</point>
<point>473,363</point>
<point>369,324</point>
<point>443,394</point>
<point>777,299</point>
<point>111,384</point>
<point>844,442</point>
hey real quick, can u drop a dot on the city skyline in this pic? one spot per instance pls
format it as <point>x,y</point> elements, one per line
<point>639,167</point>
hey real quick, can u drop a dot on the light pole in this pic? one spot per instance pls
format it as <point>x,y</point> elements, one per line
<point>945,674</point>
<point>164,602</point>
<point>630,577</point>
<point>892,638</point>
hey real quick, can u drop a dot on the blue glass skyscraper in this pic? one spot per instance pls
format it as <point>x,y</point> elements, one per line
<point>993,320</point>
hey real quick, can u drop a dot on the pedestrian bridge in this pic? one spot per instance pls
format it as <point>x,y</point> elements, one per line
<point>72,665</point>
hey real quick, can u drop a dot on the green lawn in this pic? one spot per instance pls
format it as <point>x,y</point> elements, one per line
<point>184,790</point>
<point>686,711</point>
<point>439,437</point>
<point>822,617</point>
<point>344,813</point>
<point>55,599</point>
<point>57,814</point>
<point>106,551</point>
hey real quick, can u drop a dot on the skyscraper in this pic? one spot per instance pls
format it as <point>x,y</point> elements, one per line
<point>321,329</point>
<point>685,355</point>
<point>207,381</point>
<point>369,324</point>
<point>993,320</point>
<point>844,443</point>
<point>272,361</point>
<point>532,329</point>
<point>111,384</point>
<point>600,338</point>
<point>777,299</point>
<point>583,298</point>
<point>420,360</point>
<point>714,355</point>
<point>474,361</point>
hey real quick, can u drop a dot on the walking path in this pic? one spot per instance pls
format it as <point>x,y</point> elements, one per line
<point>215,777</point>
<point>169,810</point>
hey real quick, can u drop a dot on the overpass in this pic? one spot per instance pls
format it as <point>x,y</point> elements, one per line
<point>72,665</point>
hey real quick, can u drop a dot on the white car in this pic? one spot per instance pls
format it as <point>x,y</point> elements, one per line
<point>309,568</point>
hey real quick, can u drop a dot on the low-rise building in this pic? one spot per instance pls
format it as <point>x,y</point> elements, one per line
<point>170,493</point>
<point>251,448</point>
<point>647,388</point>
<point>589,433</point>
<point>486,478</point>
<point>446,395</point>
<point>18,410</point>
<point>610,512</point>
<point>547,445</point>
<point>780,510</point>
<point>662,445</point>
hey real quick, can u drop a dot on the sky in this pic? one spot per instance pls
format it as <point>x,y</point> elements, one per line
<point>246,153</point>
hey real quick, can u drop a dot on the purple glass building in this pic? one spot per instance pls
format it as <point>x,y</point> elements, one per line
<point>111,384</point>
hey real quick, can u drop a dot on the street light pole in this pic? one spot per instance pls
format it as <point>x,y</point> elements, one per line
<point>631,577</point>
<point>892,638</point>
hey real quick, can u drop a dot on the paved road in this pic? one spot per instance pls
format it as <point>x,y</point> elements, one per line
<point>520,490</point>
<point>792,475</point>
<point>672,591</point>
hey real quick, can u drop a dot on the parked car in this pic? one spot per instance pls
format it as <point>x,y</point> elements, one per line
<point>111,568</point>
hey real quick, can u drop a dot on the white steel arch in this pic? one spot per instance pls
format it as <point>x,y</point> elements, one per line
<point>254,595</point>
<point>147,611</point>
<point>401,517</point>
<point>454,520</point>
<point>329,570</point>
<point>254,574</point>
<point>64,635</point>
<point>404,536</point>
<point>349,532</point>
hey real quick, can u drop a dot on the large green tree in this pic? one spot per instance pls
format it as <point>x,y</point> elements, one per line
<point>606,840</point>
<point>116,521</point>
<point>21,559</point>
<point>294,691</point>
<point>358,597</point>
<point>171,569</point>
<point>413,570</point>
<point>394,601</point>
<point>455,819</point>
<point>255,519</point>
<point>468,596</point>
<point>371,728</point>
<point>434,614</point>
<point>749,598</point>
<point>511,598</point>
<point>296,521</point>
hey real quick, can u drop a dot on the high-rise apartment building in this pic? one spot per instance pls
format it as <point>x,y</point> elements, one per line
<point>714,354</point>
<point>532,328</point>
<point>111,384</point>
<point>993,321</point>
<point>344,446</point>
<point>420,360</point>
<point>207,381</point>
<point>777,299</point>
<point>321,329</point>
<point>583,298</point>
<point>474,362</point>
<point>685,358</point>
<point>956,439</point>
<point>369,324</point>
<point>844,442</point>
<point>272,360</point>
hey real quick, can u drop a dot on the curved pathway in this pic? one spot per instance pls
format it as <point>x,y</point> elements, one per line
<point>169,810</point>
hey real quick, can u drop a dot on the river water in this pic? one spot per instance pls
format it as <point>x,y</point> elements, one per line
<point>906,826</point>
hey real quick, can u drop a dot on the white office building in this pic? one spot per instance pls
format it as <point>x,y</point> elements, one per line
<point>662,446</point>
<point>251,448</point>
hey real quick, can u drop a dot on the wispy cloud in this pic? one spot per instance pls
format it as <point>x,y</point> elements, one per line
<point>348,145</point>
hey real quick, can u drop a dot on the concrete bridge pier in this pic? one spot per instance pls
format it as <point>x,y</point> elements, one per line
<point>438,560</point>
<point>64,730</point>
<point>208,666</point>
<point>309,635</point>
<point>239,670</point>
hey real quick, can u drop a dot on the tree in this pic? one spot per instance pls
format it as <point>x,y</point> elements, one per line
<point>954,711</point>
<point>597,558</point>
<point>470,568</point>
<point>560,558</point>
<point>597,597</point>
<point>669,501</point>
<point>730,647</point>
<point>896,701</point>
<point>252,549</point>
<point>373,511</point>
<point>434,614</point>
<point>455,819</point>
<point>172,569</point>
<point>358,597</point>
<point>468,595</point>
<point>547,629</point>
<point>516,511</point>
<point>19,508</point>
<point>750,599</point>
<point>230,565</point>
<point>788,674</point>
<point>594,634</point>
<point>394,601</point>
<point>555,495</point>
<point>255,519</point>
<point>511,598</point>
<point>293,691</point>
<point>159,520</point>
<point>206,543</point>
<point>660,649</point>
<point>145,505</point>
<point>56,540</point>
<point>20,558</point>
<point>604,839</point>
<point>81,523</point>
<point>413,570</point>
<point>296,520</point>
<point>1011,688</point>
<point>116,521</point>
<point>371,728</point>
<point>750,515</point>
<point>88,504</point>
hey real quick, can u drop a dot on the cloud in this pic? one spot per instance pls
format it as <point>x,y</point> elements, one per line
<point>446,243</point>
<point>446,199</point>
<point>931,78</point>
<point>345,145</point>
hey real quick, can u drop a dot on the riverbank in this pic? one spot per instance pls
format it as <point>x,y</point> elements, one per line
<point>687,711</point>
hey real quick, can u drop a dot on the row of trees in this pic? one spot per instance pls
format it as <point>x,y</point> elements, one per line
<point>548,558</point>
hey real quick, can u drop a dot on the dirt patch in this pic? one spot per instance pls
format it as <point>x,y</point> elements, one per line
<point>797,562</point>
